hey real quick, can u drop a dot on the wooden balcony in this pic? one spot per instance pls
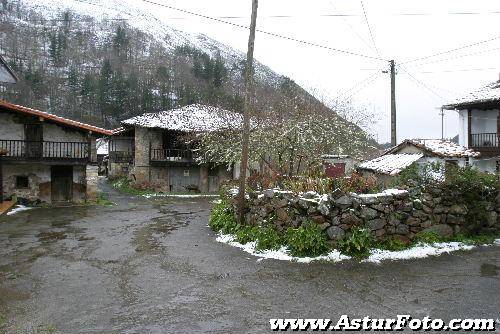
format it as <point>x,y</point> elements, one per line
<point>174,156</point>
<point>122,150</point>
<point>488,144</point>
<point>23,150</point>
<point>121,156</point>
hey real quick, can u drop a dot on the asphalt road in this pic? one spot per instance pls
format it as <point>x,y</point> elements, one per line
<point>153,266</point>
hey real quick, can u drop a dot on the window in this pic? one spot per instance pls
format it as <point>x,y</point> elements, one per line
<point>22,182</point>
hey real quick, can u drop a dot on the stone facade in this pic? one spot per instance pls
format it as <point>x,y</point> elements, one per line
<point>37,172</point>
<point>391,213</point>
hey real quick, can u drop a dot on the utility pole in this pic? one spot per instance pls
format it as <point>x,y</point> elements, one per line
<point>394,140</point>
<point>246,116</point>
<point>442,122</point>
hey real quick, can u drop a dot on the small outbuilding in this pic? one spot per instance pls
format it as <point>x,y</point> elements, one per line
<point>420,151</point>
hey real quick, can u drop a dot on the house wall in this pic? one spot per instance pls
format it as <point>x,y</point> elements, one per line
<point>39,186</point>
<point>13,129</point>
<point>463,124</point>
<point>487,165</point>
<point>484,121</point>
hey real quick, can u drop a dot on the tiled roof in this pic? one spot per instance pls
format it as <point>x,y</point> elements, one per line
<point>391,164</point>
<point>439,147</point>
<point>192,118</point>
<point>488,93</point>
<point>4,105</point>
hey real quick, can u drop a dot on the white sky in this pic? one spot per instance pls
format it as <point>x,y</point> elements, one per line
<point>399,37</point>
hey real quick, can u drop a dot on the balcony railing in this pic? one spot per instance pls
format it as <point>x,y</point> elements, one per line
<point>171,155</point>
<point>45,150</point>
<point>485,140</point>
<point>121,156</point>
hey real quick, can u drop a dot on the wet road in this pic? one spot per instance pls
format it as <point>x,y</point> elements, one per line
<point>152,266</point>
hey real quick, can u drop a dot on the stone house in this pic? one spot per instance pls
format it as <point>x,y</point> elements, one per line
<point>159,149</point>
<point>479,125</point>
<point>420,151</point>
<point>46,158</point>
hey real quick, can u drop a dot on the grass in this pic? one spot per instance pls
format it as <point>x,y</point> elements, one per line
<point>3,322</point>
<point>124,185</point>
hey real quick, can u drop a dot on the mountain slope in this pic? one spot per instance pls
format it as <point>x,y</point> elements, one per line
<point>104,61</point>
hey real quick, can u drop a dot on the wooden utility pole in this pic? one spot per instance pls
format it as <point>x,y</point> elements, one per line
<point>247,112</point>
<point>442,123</point>
<point>394,140</point>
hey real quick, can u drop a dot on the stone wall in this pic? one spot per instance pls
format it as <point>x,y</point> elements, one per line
<point>392,213</point>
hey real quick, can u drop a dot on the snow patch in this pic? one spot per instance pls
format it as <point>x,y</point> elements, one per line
<point>280,254</point>
<point>18,208</point>
<point>387,192</point>
<point>181,195</point>
<point>418,252</point>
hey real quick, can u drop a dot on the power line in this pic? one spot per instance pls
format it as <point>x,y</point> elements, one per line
<point>364,84</point>
<point>420,83</point>
<point>352,28</point>
<point>265,32</point>
<point>369,28</point>
<point>461,70</point>
<point>361,82</point>
<point>455,49</point>
<point>457,57</point>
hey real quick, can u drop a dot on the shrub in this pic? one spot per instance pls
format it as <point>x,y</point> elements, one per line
<point>246,234</point>
<point>222,218</point>
<point>268,238</point>
<point>474,189</point>
<point>307,240</point>
<point>357,183</point>
<point>357,244</point>
<point>427,237</point>
<point>392,244</point>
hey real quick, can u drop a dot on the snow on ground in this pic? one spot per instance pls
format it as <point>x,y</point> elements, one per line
<point>376,255</point>
<point>417,252</point>
<point>280,254</point>
<point>181,195</point>
<point>387,192</point>
<point>18,208</point>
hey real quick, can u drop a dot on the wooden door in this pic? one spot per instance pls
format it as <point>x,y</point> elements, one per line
<point>62,183</point>
<point>33,134</point>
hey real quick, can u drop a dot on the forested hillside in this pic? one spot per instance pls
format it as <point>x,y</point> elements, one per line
<point>105,68</point>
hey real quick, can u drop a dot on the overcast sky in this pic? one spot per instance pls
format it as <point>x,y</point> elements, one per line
<point>402,30</point>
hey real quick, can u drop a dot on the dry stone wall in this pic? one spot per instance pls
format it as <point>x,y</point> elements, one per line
<point>392,213</point>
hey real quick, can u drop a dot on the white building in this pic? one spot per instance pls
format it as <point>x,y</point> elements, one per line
<point>420,151</point>
<point>479,127</point>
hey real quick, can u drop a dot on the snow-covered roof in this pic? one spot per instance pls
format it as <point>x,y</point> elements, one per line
<point>192,118</point>
<point>102,145</point>
<point>487,94</point>
<point>391,164</point>
<point>439,147</point>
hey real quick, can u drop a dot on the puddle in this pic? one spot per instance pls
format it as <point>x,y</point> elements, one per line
<point>51,236</point>
<point>489,270</point>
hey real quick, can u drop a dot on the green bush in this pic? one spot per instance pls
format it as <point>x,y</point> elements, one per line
<point>246,234</point>
<point>357,244</point>
<point>222,219</point>
<point>268,238</point>
<point>392,244</point>
<point>307,240</point>
<point>473,189</point>
<point>427,237</point>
